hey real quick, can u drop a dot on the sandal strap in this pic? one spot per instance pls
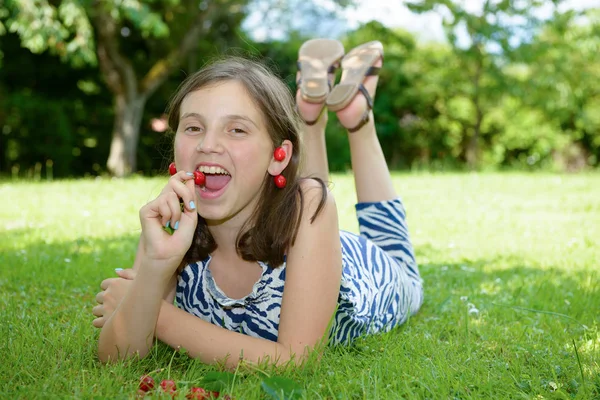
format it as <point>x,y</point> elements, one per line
<point>365,116</point>
<point>363,122</point>
<point>373,71</point>
<point>365,92</point>
<point>311,123</point>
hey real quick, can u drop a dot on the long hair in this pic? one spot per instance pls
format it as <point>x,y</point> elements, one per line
<point>273,225</point>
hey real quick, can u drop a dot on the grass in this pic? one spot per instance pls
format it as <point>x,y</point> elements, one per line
<point>521,249</point>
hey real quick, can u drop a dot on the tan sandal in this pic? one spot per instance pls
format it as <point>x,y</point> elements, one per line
<point>356,65</point>
<point>317,58</point>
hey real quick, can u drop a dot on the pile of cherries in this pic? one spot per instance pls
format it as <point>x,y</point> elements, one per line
<point>169,387</point>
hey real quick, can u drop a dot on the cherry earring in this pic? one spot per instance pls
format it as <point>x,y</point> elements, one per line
<point>279,154</point>
<point>280,181</point>
<point>172,169</point>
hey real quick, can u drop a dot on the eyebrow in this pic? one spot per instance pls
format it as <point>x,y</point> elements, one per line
<point>230,116</point>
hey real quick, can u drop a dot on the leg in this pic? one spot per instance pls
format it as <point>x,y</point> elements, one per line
<point>371,174</point>
<point>317,61</point>
<point>313,137</point>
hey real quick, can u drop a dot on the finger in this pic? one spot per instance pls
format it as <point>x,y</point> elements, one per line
<point>98,322</point>
<point>180,176</point>
<point>100,297</point>
<point>183,191</point>
<point>189,218</point>
<point>106,283</point>
<point>98,311</point>
<point>164,211</point>
<point>128,273</point>
<point>173,202</point>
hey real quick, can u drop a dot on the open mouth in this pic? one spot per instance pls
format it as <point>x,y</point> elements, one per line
<point>216,178</point>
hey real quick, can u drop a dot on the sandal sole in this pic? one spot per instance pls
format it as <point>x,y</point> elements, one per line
<point>315,57</point>
<point>354,66</point>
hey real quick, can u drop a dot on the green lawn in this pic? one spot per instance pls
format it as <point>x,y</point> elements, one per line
<point>511,264</point>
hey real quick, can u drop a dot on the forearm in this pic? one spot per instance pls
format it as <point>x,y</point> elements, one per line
<point>211,343</point>
<point>130,329</point>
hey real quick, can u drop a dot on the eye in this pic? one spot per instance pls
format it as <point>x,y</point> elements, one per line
<point>192,129</point>
<point>238,131</point>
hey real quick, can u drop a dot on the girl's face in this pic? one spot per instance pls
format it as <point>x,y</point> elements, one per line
<point>222,133</point>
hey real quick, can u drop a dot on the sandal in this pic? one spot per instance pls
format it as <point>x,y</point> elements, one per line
<point>357,64</point>
<point>317,58</point>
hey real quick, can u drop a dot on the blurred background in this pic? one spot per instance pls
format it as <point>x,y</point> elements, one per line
<point>466,84</point>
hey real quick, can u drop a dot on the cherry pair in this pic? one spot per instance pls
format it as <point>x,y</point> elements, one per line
<point>200,179</point>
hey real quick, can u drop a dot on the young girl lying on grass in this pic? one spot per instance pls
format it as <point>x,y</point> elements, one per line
<point>257,267</point>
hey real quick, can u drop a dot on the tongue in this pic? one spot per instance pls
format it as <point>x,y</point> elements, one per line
<point>217,182</point>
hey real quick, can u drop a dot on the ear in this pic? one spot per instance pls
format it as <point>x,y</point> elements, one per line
<point>277,167</point>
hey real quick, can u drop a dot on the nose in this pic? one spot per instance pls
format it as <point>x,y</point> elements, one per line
<point>209,142</point>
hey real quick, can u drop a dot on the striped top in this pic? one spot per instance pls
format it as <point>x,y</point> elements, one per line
<point>380,285</point>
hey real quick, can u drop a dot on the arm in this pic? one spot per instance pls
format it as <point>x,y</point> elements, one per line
<point>129,305</point>
<point>309,300</point>
<point>130,328</point>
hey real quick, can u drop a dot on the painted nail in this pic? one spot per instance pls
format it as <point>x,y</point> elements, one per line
<point>192,205</point>
<point>189,173</point>
<point>176,225</point>
<point>118,269</point>
<point>168,224</point>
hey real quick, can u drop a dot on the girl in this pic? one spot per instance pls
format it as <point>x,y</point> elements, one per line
<point>256,263</point>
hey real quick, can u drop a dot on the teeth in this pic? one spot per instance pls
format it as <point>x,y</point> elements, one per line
<point>212,170</point>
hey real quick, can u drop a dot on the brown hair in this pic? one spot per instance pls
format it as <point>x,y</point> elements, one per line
<point>274,224</point>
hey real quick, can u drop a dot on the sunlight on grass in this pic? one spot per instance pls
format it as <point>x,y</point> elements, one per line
<point>510,263</point>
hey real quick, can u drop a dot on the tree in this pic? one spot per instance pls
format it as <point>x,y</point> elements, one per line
<point>136,44</point>
<point>562,78</point>
<point>482,42</point>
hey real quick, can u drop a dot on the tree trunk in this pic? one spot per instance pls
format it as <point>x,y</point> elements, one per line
<point>472,155</point>
<point>125,136</point>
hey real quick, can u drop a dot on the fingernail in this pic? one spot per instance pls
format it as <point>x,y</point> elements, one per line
<point>176,225</point>
<point>192,205</point>
<point>189,173</point>
<point>118,269</point>
<point>168,223</point>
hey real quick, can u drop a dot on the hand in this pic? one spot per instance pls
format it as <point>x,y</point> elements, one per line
<point>160,247</point>
<point>113,292</point>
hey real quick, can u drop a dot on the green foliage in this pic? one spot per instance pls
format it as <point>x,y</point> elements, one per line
<point>513,95</point>
<point>63,30</point>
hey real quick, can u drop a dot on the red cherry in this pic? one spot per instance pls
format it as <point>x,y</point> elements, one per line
<point>199,178</point>
<point>279,154</point>
<point>168,386</point>
<point>198,393</point>
<point>280,181</point>
<point>146,383</point>
<point>172,169</point>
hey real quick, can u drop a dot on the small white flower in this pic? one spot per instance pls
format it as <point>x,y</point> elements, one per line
<point>67,260</point>
<point>463,298</point>
<point>473,311</point>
